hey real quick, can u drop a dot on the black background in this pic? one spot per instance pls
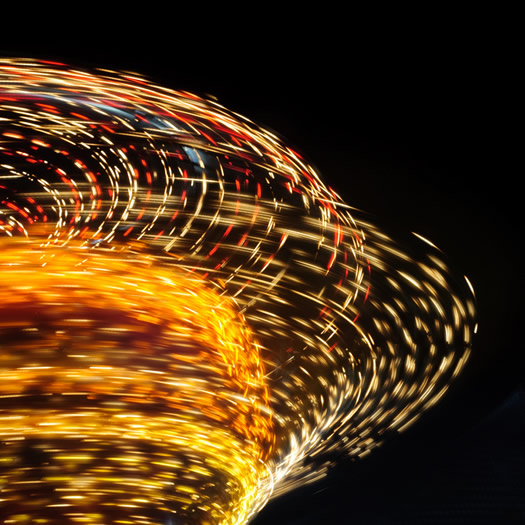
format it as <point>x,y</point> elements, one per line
<point>414,124</point>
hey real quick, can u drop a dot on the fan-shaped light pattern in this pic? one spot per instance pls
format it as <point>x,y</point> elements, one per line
<point>191,321</point>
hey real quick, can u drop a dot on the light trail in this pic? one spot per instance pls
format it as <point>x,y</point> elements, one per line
<point>191,322</point>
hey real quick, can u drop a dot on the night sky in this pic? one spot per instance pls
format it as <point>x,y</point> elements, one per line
<point>413,131</point>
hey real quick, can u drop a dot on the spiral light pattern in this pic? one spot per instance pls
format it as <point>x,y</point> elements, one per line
<point>191,322</point>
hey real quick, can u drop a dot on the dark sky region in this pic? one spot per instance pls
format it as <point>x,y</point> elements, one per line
<point>412,129</point>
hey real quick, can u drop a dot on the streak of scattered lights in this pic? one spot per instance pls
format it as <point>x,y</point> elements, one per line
<point>191,322</point>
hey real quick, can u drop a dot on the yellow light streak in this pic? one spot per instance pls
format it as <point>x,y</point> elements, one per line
<point>190,319</point>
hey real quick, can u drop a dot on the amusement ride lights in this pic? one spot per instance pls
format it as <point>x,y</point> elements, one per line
<point>191,322</point>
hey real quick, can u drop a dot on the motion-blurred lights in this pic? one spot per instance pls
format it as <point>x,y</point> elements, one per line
<point>191,321</point>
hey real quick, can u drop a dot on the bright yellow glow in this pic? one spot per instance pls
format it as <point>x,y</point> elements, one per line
<point>135,385</point>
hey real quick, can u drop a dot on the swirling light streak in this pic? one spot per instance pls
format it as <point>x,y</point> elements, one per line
<point>218,323</point>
